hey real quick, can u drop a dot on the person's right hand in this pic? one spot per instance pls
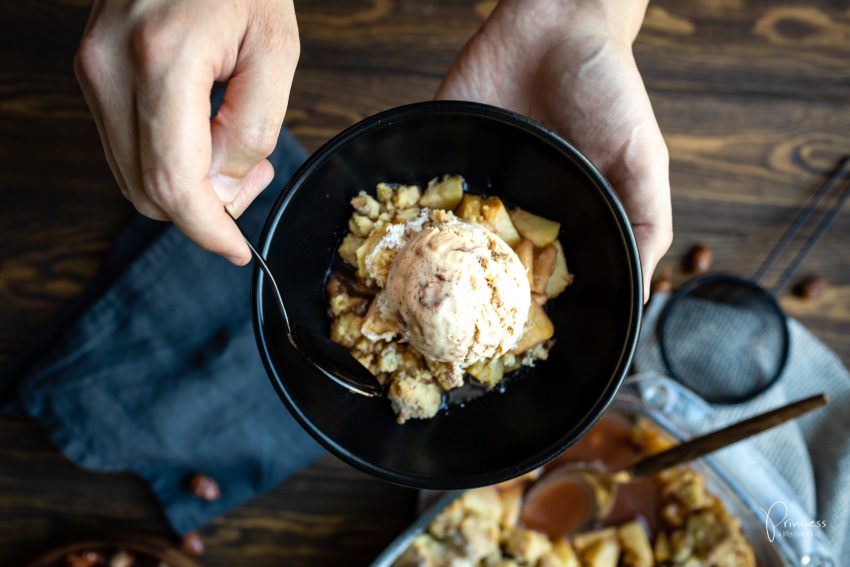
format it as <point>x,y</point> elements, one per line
<point>569,65</point>
<point>147,68</point>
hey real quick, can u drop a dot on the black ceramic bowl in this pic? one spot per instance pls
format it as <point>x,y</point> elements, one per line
<point>500,435</point>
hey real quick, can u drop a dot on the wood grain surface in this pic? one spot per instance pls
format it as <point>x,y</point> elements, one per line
<point>753,97</point>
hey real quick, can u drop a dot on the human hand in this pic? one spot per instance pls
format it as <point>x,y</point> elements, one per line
<point>569,65</point>
<point>147,67</point>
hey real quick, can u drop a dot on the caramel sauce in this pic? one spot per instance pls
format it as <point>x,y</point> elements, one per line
<point>561,506</point>
<point>558,507</point>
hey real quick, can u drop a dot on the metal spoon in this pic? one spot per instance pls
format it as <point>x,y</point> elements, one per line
<point>333,360</point>
<point>597,488</point>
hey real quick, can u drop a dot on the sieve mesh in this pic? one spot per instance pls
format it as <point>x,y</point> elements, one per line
<point>723,337</point>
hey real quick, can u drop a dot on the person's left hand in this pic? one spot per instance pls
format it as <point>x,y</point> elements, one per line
<point>569,65</point>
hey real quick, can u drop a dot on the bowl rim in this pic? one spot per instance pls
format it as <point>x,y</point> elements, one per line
<point>151,546</point>
<point>384,119</point>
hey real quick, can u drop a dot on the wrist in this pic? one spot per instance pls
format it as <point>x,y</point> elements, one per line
<point>537,21</point>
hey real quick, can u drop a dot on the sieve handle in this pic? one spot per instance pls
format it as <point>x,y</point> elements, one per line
<point>798,223</point>
<point>810,242</point>
<point>705,444</point>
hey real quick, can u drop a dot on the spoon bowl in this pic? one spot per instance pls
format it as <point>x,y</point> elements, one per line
<point>570,499</point>
<point>576,496</point>
<point>333,360</point>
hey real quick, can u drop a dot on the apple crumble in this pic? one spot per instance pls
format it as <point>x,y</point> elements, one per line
<point>680,524</point>
<point>440,284</point>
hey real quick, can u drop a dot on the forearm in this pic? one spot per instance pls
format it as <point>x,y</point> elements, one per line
<point>520,34</point>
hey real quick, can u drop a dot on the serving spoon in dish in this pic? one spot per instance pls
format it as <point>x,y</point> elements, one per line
<point>589,492</point>
<point>331,359</point>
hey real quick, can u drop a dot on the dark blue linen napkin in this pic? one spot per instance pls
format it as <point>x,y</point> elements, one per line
<point>160,375</point>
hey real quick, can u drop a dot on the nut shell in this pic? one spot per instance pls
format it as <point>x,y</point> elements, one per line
<point>192,544</point>
<point>812,288</point>
<point>204,487</point>
<point>84,559</point>
<point>699,259</point>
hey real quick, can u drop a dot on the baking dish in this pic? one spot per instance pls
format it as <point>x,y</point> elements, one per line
<point>749,486</point>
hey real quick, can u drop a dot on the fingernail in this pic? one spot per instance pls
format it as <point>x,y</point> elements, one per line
<point>226,187</point>
<point>239,261</point>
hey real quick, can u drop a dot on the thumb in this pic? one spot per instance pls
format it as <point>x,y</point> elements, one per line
<point>652,243</point>
<point>644,189</point>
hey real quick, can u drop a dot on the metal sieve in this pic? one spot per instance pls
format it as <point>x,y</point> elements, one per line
<point>726,337</point>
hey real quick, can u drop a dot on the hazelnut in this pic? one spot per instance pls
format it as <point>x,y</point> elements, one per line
<point>84,559</point>
<point>663,283</point>
<point>812,288</point>
<point>122,559</point>
<point>204,487</point>
<point>192,544</point>
<point>699,259</point>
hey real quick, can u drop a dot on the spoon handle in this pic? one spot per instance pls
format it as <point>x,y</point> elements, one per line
<point>700,446</point>
<point>266,271</point>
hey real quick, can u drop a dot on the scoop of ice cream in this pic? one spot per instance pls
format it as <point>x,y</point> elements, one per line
<point>458,292</point>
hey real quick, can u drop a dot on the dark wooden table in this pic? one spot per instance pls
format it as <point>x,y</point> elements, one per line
<point>753,97</point>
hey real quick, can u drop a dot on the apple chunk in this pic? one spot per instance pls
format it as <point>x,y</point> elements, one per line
<point>497,219</point>
<point>563,554</point>
<point>636,547</point>
<point>443,194</point>
<point>538,328</point>
<point>469,208</point>
<point>488,372</point>
<point>605,553</point>
<point>561,276</point>
<point>544,267</point>
<point>490,213</point>
<point>542,232</point>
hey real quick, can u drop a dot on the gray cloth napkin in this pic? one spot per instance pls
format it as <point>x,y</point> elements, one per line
<point>813,453</point>
<point>161,376</point>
